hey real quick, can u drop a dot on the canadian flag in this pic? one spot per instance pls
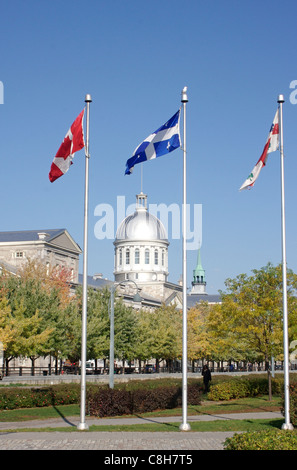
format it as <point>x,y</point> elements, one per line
<point>73,142</point>
<point>271,145</point>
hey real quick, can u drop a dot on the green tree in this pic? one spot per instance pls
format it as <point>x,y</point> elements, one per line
<point>199,344</point>
<point>98,326</point>
<point>252,307</point>
<point>37,297</point>
<point>164,329</point>
<point>125,327</point>
<point>22,335</point>
<point>143,337</point>
<point>7,332</point>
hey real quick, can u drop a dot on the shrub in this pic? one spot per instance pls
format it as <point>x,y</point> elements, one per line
<point>293,404</point>
<point>274,439</point>
<point>102,400</point>
<point>13,398</point>
<point>105,402</point>
<point>241,387</point>
<point>228,390</point>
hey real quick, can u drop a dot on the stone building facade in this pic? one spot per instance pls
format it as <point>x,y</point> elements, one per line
<point>51,247</point>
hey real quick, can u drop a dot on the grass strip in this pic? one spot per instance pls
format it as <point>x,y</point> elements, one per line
<point>242,405</point>
<point>232,425</point>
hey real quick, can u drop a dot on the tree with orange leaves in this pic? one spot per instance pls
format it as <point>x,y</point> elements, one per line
<point>33,308</point>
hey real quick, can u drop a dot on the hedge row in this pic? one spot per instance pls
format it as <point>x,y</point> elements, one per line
<point>274,439</point>
<point>105,402</point>
<point>14,398</point>
<point>101,401</point>
<point>242,387</point>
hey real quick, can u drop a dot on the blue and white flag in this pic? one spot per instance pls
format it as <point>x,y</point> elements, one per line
<point>162,141</point>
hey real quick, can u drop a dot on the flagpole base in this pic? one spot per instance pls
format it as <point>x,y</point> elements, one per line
<point>288,427</point>
<point>185,427</point>
<point>82,427</point>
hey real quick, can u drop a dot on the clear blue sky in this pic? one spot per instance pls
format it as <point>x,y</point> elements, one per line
<point>134,57</point>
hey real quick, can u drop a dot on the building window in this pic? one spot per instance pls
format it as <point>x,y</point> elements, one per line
<point>19,254</point>
<point>137,256</point>
<point>147,256</point>
<point>156,257</point>
<point>121,257</point>
<point>128,256</point>
<point>163,257</point>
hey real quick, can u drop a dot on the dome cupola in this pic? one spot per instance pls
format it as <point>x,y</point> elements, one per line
<point>141,246</point>
<point>141,225</point>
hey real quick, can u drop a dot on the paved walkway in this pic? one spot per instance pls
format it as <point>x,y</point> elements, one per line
<point>118,441</point>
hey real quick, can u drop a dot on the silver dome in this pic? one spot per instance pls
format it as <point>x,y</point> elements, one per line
<point>141,226</point>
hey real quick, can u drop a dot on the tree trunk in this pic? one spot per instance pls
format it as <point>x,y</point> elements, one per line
<point>56,365</point>
<point>32,365</point>
<point>7,366</point>
<point>269,385</point>
<point>157,365</point>
<point>269,380</point>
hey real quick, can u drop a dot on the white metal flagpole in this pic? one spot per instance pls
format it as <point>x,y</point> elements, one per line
<point>111,346</point>
<point>82,425</point>
<point>184,426</point>
<point>287,424</point>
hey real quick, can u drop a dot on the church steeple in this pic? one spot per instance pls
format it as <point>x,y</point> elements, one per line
<point>198,283</point>
<point>198,272</point>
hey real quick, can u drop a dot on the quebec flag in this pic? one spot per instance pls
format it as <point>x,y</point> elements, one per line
<point>162,141</point>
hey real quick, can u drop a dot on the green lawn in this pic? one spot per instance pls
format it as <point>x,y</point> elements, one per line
<point>29,414</point>
<point>210,426</point>
<point>242,405</point>
<point>207,407</point>
<point>213,426</point>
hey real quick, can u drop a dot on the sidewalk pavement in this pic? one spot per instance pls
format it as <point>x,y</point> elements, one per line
<point>118,441</point>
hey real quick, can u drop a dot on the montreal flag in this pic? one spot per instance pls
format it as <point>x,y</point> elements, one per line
<point>271,145</point>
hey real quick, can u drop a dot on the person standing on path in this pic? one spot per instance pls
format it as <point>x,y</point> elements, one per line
<point>206,378</point>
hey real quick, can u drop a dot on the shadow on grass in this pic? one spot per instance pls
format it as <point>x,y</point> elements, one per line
<point>147,420</point>
<point>63,417</point>
<point>276,423</point>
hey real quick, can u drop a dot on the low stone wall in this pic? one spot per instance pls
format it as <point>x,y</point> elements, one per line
<point>104,379</point>
<point>71,378</point>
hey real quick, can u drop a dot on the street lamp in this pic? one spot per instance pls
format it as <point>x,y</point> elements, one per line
<point>136,298</point>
